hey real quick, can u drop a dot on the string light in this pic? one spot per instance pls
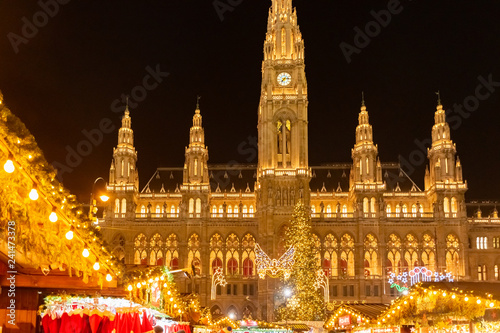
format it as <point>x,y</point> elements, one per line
<point>109,277</point>
<point>33,194</point>
<point>85,253</point>
<point>9,166</point>
<point>129,288</point>
<point>53,216</point>
<point>138,285</point>
<point>70,234</point>
<point>97,266</point>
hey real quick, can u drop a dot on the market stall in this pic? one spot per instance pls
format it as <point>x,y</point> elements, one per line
<point>438,307</point>
<point>355,318</point>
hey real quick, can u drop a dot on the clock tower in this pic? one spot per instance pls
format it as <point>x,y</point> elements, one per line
<point>283,170</point>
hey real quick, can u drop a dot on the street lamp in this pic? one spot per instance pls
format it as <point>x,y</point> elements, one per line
<point>93,202</point>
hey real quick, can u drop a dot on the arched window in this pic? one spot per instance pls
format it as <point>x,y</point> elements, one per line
<point>172,211</point>
<point>216,263</point>
<point>331,254</point>
<point>414,210</point>
<point>191,207</point>
<point>198,207</point>
<point>428,252</point>
<point>245,211</point>
<point>393,263</point>
<point>196,167</point>
<point>405,210</point>
<point>344,211</point>
<point>366,207</point>
<point>328,211</point>
<point>347,256</point>
<point>221,211</point>
<point>236,211</point>
<point>124,206</point>
<point>327,267</point>
<point>117,206</point>
<point>214,211</point>
<point>313,210</point>
<point>251,211</point>
<point>232,266</point>
<point>454,205</point>
<point>174,263</point>
<point>158,211</point>
<point>446,205</point>
<point>156,255</point>
<point>140,254</point>
<point>247,267</point>
<point>398,210</point>
<point>229,211</point>
<point>372,205</point>
<point>143,211</point>
<point>194,253</point>
<point>388,210</point>
<point>453,256</point>
<point>371,256</point>
<point>411,256</point>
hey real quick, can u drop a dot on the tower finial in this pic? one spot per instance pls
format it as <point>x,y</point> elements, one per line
<point>198,102</point>
<point>438,93</point>
<point>363,98</point>
<point>126,108</point>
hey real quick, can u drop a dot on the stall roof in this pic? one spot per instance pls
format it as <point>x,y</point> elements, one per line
<point>479,288</point>
<point>371,311</point>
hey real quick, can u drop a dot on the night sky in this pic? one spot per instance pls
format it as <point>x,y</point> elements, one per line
<point>63,79</point>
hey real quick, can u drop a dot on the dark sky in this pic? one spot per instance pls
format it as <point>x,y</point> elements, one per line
<point>64,78</point>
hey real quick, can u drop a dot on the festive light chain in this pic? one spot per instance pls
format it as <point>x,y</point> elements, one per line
<point>56,213</point>
<point>218,279</point>
<point>330,324</point>
<point>403,281</point>
<point>274,267</point>
<point>400,304</point>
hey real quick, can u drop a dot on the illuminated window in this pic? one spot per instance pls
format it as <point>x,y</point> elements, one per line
<point>481,273</point>
<point>174,263</point>
<point>229,211</point>
<point>313,210</point>
<point>143,211</point>
<point>454,205</point>
<point>344,211</point>
<point>236,211</point>
<point>122,168</point>
<point>221,211</point>
<point>365,205</point>
<point>172,210</point>
<point>245,211</point>
<point>216,263</point>
<point>251,211</point>
<point>196,167</point>
<point>496,272</point>
<point>214,211</point>
<point>388,210</point>
<point>191,206</point>
<point>117,206</point>
<point>328,211</point>
<point>198,207</point>
<point>446,205</point>
<point>482,243</point>
<point>372,205</point>
<point>141,255</point>
<point>158,211</point>
<point>156,255</point>
<point>496,242</point>
<point>232,266</point>
<point>124,206</point>
<point>247,267</point>
<point>452,255</point>
<point>414,210</point>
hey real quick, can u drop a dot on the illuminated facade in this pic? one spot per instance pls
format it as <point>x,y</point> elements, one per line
<point>369,218</point>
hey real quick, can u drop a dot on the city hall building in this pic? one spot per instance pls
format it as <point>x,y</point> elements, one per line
<point>369,219</point>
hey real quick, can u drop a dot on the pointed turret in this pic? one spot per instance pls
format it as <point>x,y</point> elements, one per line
<point>443,179</point>
<point>124,155</point>
<point>367,168</point>
<point>195,167</point>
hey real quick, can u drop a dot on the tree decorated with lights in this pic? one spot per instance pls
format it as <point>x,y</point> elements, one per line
<point>302,300</point>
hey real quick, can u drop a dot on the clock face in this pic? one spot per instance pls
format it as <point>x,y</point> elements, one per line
<point>284,79</point>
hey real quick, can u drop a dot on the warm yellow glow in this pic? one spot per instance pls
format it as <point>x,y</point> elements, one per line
<point>478,301</point>
<point>444,294</point>
<point>104,198</point>
<point>453,296</point>
<point>69,235</point>
<point>97,266</point>
<point>33,194</point>
<point>162,278</point>
<point>168,292</point>
<point>466,299</point>
<point>138,284</point>
<point>175,306</point>
<point>53,217</point>
<point>9,166</point>
<point>164,285</point>
<point>109,277</point>
<point>85,253</point>
<point>129,288</point>
<point>171,299</point>
<point>491,304</point>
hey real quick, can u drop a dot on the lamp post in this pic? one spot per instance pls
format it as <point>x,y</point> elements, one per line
<point>93,202</point>
<point>287,292</point>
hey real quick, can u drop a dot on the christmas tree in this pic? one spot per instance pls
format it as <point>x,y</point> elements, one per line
<point>303,302</point>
